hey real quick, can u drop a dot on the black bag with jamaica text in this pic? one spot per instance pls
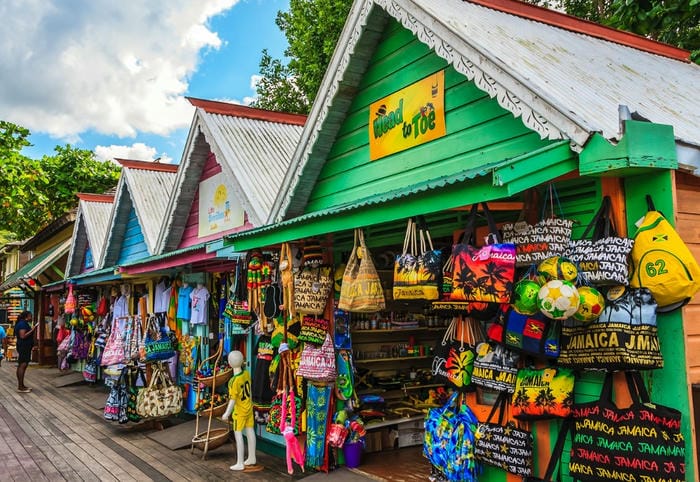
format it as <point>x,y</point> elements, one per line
<point>641,442</point>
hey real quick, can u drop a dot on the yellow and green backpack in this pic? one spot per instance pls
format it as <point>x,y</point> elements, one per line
<point>663,263</point>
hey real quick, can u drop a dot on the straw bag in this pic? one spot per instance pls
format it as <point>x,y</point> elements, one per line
<point>312,287</point>
<point>361,290</point>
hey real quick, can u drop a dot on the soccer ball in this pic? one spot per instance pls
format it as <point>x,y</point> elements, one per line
<point>591,306</point>
<point>558,299</point>
<point>525,297</point>
<point>556,267</point>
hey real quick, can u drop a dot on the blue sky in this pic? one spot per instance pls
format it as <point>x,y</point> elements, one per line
<point>111,76</point>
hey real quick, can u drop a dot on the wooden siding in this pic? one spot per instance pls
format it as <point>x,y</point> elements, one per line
<point>134,245</point>
<point>190,234</point>
<point>479,131</point>
<point>688,226</point>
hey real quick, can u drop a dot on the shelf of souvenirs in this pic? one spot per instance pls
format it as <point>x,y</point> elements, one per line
<point>390,322</point>
<point>392,359</point>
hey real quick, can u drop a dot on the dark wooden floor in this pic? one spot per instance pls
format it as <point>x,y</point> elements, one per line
<point>55,434</point>
<point>402,465</point>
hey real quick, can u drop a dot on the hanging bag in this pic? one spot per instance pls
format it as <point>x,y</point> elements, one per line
<point>237,309</point>
<point>483,274</point>
<point>495,367</point>
<point>117,400</point>
<point>318,363</point>
<point>160,398</point>
<point>449,440</point>
<point>535,335</point>
<point>417,269</point>
<point>640,442</point>
<point>603,259</point>
<point>536,242</point>
<point>504,445</point>
<point>313,330</point>
<point>543,393</point>
<point>624,337</point>
<point>312,287</point>
<point>135,375</point>
<point>555,459</point>
<point>286,397</point>
<point>453,356</point>
<point>156,343</point>
<point>663,263</point>
<point>113,353</point>
<point>361,290</point>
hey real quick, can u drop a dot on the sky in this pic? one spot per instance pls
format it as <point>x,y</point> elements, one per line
<point>112,77</point>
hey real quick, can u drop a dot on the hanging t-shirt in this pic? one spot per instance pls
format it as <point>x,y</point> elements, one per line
<point>120,308</point>
<point>265,352</point>
<point>160,302</point>
<point>184,310</point>
<point>200,306</point>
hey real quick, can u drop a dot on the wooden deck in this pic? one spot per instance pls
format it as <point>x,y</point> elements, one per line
<point>53,433</point>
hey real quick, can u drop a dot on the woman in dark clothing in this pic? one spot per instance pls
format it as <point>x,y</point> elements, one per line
<point>24,332</point>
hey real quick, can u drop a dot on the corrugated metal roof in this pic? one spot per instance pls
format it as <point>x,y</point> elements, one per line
<point>90,229</point>
<point>562,84</point>
<point>36,265</point>
<point>147,187</point>
<point>253,147</point>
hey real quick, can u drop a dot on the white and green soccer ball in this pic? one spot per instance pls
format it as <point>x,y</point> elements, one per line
<point>558,299</point>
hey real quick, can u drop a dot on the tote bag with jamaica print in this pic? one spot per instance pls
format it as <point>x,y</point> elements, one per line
<point>482,274</point>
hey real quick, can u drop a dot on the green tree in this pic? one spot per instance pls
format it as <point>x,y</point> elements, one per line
<point>35,192</point>
<point>673,22</point>
<point>312,29</point>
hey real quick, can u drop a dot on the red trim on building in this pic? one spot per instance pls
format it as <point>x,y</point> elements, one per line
<point>574,24</point>
<point>146,165</point>
<point>98,198</point>
<point>224,108</point>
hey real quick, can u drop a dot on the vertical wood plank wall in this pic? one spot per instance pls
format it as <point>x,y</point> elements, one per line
<point>134,245</point>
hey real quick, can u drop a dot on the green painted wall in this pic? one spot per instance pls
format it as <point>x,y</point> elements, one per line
<point>479,131</point>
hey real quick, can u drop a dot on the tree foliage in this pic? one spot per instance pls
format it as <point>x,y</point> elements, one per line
<point>674,22</point>
<point>33,192</point>
<point>312,28</point>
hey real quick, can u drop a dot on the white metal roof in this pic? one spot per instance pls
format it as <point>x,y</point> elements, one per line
<point>90,230</point>
<point>561,83</point>
<point>147,191</point>
<point>253,148</point>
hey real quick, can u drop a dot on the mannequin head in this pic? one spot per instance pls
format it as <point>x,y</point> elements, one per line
<point>235,360</point>
<point>124,289</point>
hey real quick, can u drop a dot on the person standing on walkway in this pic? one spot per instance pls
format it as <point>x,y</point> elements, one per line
<point>24,332</point>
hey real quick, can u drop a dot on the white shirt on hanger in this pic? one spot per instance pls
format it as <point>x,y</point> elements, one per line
<point>160,305</point>
<point>200,305</point>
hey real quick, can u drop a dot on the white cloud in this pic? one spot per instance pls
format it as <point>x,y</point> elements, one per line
<point>137,152</point>
<point>117,68</point>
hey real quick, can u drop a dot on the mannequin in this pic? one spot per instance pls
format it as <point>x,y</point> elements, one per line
<point>241,405</point>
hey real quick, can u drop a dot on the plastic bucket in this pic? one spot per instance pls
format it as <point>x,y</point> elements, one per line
<point>353,454</point>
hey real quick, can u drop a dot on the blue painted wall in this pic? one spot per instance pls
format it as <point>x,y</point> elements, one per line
<point>134,245</point>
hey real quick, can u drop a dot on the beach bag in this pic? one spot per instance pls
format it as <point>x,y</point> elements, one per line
<point>237,309</point>
<point>160,398</point>
<point>482,274</point>
<point>543,393</point>
<point>453,356</point>
<point>113,353</point>
<point>312,287</point>
<point>157,344</point>
<point>417,269</point>
<point>361,290</point>
<point>135,338</point>
<point>449,440</point>
<point>603,259</point>
<point>624,337</point>
<point>663,263</point>
<point>640,442</point>
<point>135,375</point>
<point>90,371</point>
<point>115,406</point>
<point>535,335</point>
<point>495,367</point>
<point>504,445</point>
<point>536,242</point>
<point>313,330</point>
<point>317,363</point>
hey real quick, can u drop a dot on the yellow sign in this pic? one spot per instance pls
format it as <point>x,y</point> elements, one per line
<point>408,118</point>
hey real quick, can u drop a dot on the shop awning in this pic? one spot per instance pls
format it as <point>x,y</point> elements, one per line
<point>97,276</point>
<point>485,183</point>
<point>37,265</point>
